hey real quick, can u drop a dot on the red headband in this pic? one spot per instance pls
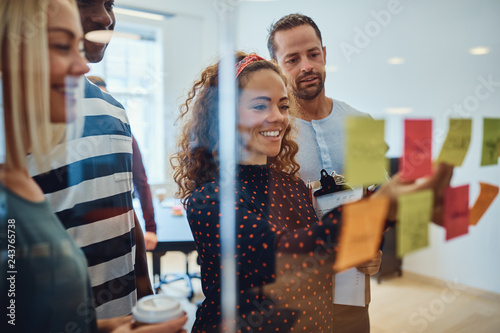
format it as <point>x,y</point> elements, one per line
<point>240,66</point>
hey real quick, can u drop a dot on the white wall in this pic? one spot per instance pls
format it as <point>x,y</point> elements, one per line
<point>438,77</point>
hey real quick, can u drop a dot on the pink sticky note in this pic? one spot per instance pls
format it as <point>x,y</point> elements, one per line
<point>417,157</point>
<point>456,211</point>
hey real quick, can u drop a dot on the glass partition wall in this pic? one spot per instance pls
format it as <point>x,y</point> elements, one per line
<point>304,142</point>
<point>267,261</point>
<point>398,62</point>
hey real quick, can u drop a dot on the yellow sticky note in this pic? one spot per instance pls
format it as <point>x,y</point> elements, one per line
<point>457,142</point>
<point>361,232</point>
<point>365,161</point>
<point>414,215</point>
<point>491,141</point>
<point>486,196</point>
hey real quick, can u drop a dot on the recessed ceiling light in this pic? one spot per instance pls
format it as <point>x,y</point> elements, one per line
<point>331,68</point>
<point>99,36</point>
<point>396,61</point>
<point>480,50</point>
<point>399,110</point>
<point>104,36</point>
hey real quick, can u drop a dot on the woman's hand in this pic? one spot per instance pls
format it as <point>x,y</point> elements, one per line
<point>371,267</point>
<point>437,182</point>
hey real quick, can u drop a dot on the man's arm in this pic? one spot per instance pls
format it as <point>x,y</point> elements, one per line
<point>141,184</point>
<point>144,193</point>
<point>141,264</point>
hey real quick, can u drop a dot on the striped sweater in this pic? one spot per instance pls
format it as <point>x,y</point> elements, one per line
<point>89,186</point>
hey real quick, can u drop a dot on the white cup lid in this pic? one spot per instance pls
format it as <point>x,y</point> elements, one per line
<point>157,308</point>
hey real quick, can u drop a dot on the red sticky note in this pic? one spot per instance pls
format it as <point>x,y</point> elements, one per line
<point>456,211</point>
<point>416,161</point>
<point>486,196</point>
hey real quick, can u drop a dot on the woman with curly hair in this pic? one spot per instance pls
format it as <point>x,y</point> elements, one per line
<point>276,223</point>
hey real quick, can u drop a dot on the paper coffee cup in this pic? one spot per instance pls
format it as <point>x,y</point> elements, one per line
<point>156,309</point>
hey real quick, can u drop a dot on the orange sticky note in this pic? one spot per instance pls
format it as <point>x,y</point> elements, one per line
<point>417,155</point>
<point>456,211</point>
<point>486,196</point>
<point>361,232</point>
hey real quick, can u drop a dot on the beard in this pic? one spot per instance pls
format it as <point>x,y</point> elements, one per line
<point>310,92</point>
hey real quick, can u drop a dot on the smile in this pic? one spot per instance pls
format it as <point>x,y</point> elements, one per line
<point>272,134</point>
<point>70,93</point>
<point>70,87</point>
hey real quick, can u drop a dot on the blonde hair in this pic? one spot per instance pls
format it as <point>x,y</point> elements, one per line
<point>196,161</point>
<point>24,64</point>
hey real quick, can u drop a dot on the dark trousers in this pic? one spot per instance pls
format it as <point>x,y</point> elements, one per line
<point>350,319</point>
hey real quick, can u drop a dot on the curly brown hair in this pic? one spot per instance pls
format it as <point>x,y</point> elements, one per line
<point>196,161</point>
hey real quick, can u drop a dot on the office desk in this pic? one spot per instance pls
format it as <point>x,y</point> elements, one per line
<point>173,233</point>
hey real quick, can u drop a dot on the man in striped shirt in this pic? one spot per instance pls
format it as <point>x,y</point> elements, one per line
<point>89,186</point>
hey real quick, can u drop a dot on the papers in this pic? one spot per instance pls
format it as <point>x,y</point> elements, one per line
<point>349,288</point>
<point>414,214</point>
<point>456,211</point>
<point>365,161</point>
<point>417,155</point>
<point>325,203</point>
<point>361,232</point>
<point>486,196</point>
<point>457,142</point>
<point>491,141</point>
